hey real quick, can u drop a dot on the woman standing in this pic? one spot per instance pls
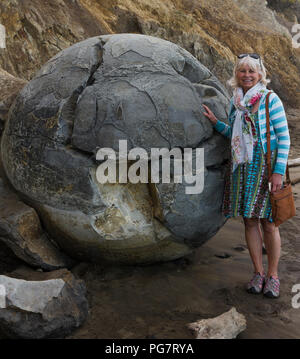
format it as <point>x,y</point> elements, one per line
<point>246,182</point>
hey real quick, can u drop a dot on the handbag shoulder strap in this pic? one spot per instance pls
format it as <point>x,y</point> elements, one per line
<point>269,142</point>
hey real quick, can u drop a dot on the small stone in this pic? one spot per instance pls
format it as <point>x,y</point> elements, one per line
<point>226,326</point>
<point>222,255</point>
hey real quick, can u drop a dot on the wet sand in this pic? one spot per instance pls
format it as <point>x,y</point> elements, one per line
<point>158,301</point>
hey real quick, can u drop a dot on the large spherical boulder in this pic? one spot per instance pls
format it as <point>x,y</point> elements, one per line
<point>131,87</point>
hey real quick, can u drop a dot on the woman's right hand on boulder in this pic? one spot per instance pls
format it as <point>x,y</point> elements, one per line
<point>209,114</point>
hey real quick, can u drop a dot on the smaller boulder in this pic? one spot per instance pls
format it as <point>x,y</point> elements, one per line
<point>51,305</point>
<point>226,326</point>
<point>21,231</point>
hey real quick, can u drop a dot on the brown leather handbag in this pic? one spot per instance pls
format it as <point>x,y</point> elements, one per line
<point>282,201</point>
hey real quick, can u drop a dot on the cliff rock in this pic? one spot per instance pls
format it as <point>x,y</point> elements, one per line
<point>213,31</point>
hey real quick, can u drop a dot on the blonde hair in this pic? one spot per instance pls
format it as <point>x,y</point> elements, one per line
<point>254,64</point>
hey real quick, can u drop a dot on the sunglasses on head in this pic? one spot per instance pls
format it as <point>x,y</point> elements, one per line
<point>253,55</point>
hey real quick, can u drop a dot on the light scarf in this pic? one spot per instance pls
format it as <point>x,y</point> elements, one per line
<point>243,132</point>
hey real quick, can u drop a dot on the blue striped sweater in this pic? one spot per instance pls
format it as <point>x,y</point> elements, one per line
<point>279,131</point>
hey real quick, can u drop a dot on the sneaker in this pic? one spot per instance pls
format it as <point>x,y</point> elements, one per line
<point>256,284</point>
<point>271,289</point>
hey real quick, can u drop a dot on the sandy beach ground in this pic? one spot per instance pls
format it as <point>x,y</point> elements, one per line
<point>158,301</point>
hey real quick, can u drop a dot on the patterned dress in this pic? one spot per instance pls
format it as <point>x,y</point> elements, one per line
<point>246,191</point>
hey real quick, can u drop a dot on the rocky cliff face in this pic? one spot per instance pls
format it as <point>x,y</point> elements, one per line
<point>286,9</point>
<point>213,31</point>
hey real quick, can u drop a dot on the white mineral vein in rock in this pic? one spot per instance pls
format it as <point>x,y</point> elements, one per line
<point>31,296</point>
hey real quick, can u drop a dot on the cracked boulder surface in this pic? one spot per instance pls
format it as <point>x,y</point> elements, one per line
<point>107,88</point>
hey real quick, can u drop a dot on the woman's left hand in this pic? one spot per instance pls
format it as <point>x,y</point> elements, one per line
<point>276,182</point>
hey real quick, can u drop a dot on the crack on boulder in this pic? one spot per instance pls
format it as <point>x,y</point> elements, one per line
<point>203,140</point>
<point>162,135</point>
<point>68,109</point>
<point>188,72</point>
<point>86,154</point>
<point>112,73</point>
<point>33,137</point>
<point>217,167</point>
<point>67,112</point>
<point>135,52</point>
<point>157,209</point>
<point>99,49</point>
